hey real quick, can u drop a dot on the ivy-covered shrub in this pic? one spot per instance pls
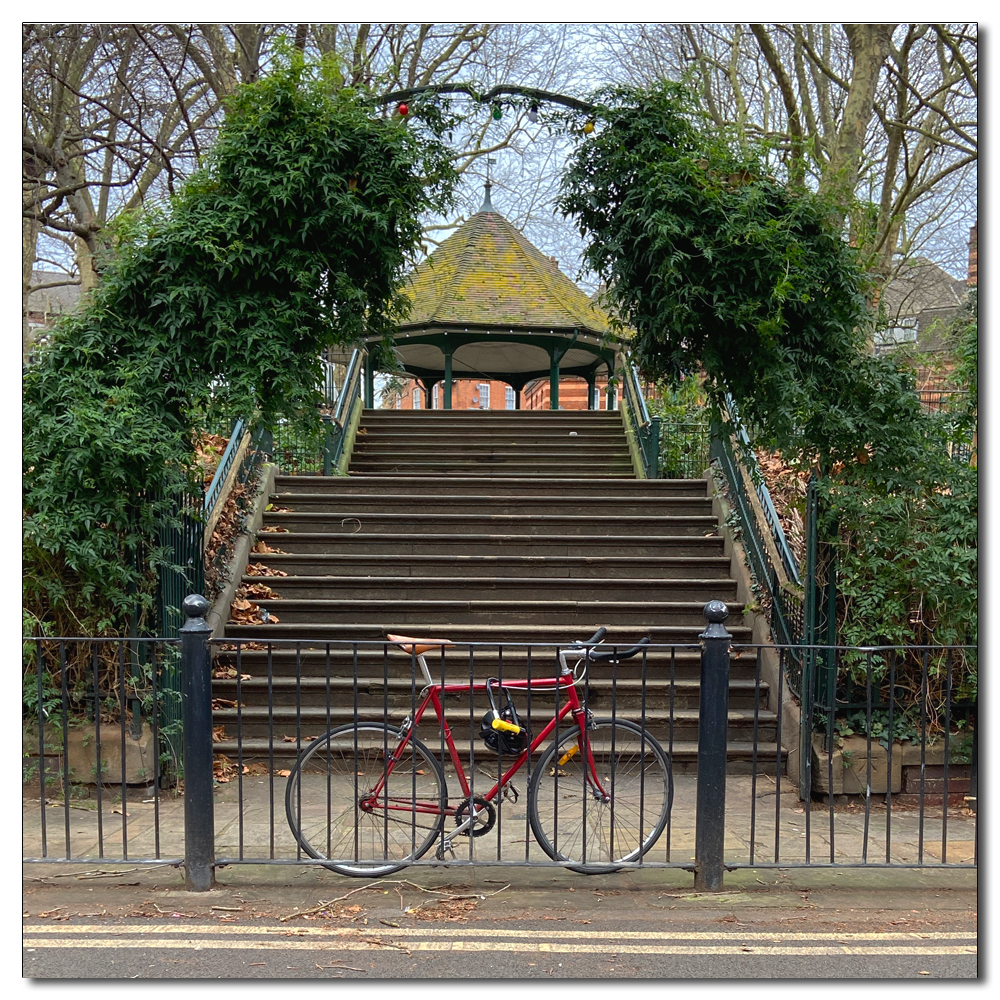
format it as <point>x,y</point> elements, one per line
<point>907,543</point>
<point>294,236</point>
<point>724,272</point>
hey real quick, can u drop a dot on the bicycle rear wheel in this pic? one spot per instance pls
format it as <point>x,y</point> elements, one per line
<point>573,822</point>
<point>336,816</point>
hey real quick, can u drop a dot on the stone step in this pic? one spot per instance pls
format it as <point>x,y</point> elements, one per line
<point>258,723</point>
<point>488,436</point>
<point>553,466</point>
<point>482,544</point>
<point>373,661</point>
<point>619,634</point>
<point>570,449</point>
<point>653,506</point>
<point>441,588</point>
<point>484,486</point>
<point>742,757</point>
<point>354,522</point>
<point>489,444</point>
<point>569,614</point>
<point>374,691</point>
<point>394,565</point>
<point>402,419</point>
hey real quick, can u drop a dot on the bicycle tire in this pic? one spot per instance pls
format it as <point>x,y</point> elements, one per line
<point>591,836</point>
<point>326,788</point>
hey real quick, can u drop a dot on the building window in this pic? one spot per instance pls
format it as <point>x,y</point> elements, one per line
<point>509,398</point>
<point>416,397</point>
<point>904,332</point>
<point>434,397</point>
<point>483,395</point>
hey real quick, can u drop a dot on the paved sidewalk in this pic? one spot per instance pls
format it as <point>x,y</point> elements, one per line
<point>909,910</point>
<point>155,828</point>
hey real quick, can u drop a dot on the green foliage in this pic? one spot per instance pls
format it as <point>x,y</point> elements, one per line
<point>720,269</point>
<point>965,338</point>
<point>685,425</point>
<point>294,236</point>
<point>907,533</point>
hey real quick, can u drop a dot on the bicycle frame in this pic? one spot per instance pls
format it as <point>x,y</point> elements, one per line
<point>431,696</point>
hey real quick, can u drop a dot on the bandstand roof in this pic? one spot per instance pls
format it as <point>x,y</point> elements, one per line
<point>501,308</point>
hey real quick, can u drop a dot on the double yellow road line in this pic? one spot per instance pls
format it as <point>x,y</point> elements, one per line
<point>470,939</point>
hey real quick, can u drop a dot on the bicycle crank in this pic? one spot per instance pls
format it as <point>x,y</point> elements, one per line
<point>485,818</point>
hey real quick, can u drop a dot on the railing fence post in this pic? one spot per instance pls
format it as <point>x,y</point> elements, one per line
<point>654,448</point>
<point>196,713</point>
<point>327,445</point>
<point>713,722</point>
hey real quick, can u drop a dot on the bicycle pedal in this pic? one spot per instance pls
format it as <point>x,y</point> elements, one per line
<point>441,848</point>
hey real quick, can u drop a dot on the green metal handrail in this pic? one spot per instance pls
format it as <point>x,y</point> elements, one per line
<point>773,522</point>
<point>645,428</point>
<point>337,425</point>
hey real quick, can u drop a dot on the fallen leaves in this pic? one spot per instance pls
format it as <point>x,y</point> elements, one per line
<point>263,548</point>
<point>208,450</point>
<point>229,674</point>
<point>256,591</point>
<point>225,769</point>
<point>244,612</point>
<point>454,910</point>
<point>243,645</point>
<point>259,569</point>
<point>787,487</point>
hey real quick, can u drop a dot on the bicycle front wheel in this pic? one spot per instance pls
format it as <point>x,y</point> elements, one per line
<point>357,811</point>
<point>596,825</point>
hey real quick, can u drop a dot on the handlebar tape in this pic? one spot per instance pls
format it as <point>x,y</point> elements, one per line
<point>616,655</point>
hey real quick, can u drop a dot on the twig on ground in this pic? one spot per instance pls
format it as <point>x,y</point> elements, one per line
<point>96,873</point>
<point>445,896</point>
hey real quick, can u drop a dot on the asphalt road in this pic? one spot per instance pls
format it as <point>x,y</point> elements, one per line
<point>136,949</point>
<point>514,924</point>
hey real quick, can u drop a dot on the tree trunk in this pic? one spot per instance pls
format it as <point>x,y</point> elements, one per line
<point>870,44</point>
<point>29,239</point>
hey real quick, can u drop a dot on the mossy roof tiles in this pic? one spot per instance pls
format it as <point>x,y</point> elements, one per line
<point>487,274</point>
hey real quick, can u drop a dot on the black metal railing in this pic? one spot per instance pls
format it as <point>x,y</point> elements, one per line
<point>308,752</point>
<point>103,785</point>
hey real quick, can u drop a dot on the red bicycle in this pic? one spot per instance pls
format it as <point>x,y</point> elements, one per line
<point>367,799</point>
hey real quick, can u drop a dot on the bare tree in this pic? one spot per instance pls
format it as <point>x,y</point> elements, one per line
<point>886,112</point>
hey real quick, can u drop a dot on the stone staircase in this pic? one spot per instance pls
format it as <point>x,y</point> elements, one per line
<point>506,528</point>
